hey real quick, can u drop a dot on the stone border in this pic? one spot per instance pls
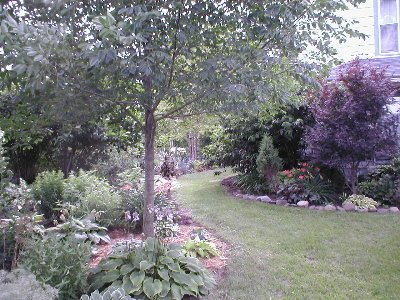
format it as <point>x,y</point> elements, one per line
<point>347,207</point>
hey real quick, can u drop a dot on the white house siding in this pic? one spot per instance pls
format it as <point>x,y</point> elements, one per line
<point>355,47</point>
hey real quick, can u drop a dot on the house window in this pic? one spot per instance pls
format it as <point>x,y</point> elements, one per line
<point>389,26</point>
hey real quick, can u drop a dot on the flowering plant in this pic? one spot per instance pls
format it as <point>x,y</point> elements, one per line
<point>305,183</point>
<point>303,172</point>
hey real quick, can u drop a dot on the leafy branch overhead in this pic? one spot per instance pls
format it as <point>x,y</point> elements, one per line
<point>165,59</point>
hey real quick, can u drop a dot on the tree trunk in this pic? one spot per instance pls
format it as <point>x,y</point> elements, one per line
<point>353,178</point>
<point>149,137</point>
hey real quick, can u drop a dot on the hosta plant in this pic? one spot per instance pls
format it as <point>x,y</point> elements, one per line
<point>197,248</point>
<point>361,201</point>
<point>112,293</point>
<point>154,271</point>
<point>82,230</point>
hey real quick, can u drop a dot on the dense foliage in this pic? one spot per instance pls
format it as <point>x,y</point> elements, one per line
<point>236,143</point>
<point>155,271</point>
<point>268,161</point>
<point>382,184</point>
<point>61,263</point>
<point>48,191</point>
<point>353,123</point>
<point>163,59</point>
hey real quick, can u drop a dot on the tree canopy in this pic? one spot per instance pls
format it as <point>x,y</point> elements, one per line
<point>353,123</point>
<point>164,59</point>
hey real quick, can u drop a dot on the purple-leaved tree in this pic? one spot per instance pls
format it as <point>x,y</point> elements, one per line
<point>353,122</point>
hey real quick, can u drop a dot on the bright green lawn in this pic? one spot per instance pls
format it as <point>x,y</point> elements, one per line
<point>281,252</point>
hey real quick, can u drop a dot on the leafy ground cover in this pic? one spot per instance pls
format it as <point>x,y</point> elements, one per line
<point>293,253</point>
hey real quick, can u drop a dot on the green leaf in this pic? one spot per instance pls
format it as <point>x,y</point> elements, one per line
<point>166,287</point>
<point>117,284</point>
<point>152,288</point>
<point>176,292</point>
<point>111,264</point>
<point>111,276</point>
<point>145,265</point>
<point>163,273</point>
<point>165,260</point>
<point>19,69</point>
<point>174,267</point>
<point>38,58</point>
<point>125,269</point>
<point>127,285</point>
<point>174,253</point>
<point>137,278</point>
<point>183,278</point>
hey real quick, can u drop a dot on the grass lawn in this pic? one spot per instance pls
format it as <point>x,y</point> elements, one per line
<point>293,253</point>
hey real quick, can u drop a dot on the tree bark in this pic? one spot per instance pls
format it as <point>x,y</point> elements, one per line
<point>353,177</point>
<point>149,136</point>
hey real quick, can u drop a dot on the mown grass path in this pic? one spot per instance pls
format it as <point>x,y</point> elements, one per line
<point>293,253</point>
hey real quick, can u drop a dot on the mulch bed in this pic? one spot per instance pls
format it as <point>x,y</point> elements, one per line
<point>216,265</point>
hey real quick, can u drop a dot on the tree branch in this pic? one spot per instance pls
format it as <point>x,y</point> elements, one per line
<point>171,72</point>
<point>172,112</point>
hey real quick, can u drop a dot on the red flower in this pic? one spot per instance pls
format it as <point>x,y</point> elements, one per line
<point>317,169</point>
<point>301,177</point>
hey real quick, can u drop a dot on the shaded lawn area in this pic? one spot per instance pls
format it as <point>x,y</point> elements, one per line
<point>293,253</point>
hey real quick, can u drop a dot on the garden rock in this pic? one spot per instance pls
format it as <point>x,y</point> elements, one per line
<point>362,209</point>
<point>349,207</point>
<point>281,202</point>
<point>330,207</point>
<point>319,208</point>
<point>339,208</point>
<point>264,199</point>
<point>394,209</point>
<point>383,210</point>
<point>302,204</point>
<point>372,209</point>
<point>312,207</point>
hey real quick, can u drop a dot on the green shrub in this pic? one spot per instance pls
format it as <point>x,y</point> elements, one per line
<point>194,248</point>
<point>95,196</point>
<point>59,262</point>
<point>5,173</point>
<point>118,162</point>
<point>48,190</point>
<point>111,293</point>
<point>14,235</point>
<point>154,271</point>
<point>252,183</point>
<point>361,201</point>
<point>20,284</point>
<point>268,161</point>
<point>383,183</point>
